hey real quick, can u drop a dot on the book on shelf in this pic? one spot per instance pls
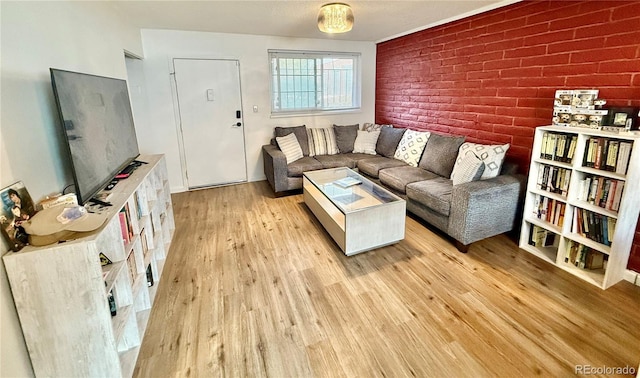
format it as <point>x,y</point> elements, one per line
<point>607,154</point>
<point>149,275</point>
<point>594,226</point>
<point>124,227</point>
<point>558,147</point>
<point>553,179</point>
<point>540,237</point>
<point>601,191</point>
<point>584,257</point>
<point>549,210</point>
<point>131,264</point>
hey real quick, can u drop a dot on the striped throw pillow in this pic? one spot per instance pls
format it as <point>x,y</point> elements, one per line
<point>322,141</point>
<point>290,147</point>
<point>469,168</point>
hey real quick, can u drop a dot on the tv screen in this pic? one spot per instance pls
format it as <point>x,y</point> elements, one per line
<point>98,123</point>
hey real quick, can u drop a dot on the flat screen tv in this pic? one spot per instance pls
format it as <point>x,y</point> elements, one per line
<point>96,116</point>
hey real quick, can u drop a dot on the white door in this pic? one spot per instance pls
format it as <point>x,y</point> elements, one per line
<point>211,121</point>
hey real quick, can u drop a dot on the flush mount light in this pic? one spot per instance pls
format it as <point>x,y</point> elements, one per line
<point>335,18</point>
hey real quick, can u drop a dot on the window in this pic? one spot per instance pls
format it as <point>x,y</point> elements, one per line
<point>308,82</point>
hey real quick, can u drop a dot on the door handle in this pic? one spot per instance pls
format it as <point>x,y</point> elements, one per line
<point>237,124</point>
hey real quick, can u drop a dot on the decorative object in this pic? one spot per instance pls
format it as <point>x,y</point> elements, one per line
<point>335,18</point>
<point>470,169</point>
<point>388,141</point>
<point>578,108</point>
<point>621,119</point>
<point>368,126</point>
<point>346,137</point>
<point>491,155</point>
<point>300,133</point>
<point>322,141</point>
<point>290,147</point>
<point>17,207</point>
<point>411,146</point>
<point>366,142</point>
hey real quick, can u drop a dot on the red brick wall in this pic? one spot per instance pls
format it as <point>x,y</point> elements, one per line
<point>492,77</point>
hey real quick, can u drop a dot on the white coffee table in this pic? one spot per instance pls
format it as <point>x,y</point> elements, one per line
<point>360,217</point>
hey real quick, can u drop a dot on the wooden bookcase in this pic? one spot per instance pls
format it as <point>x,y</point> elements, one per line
<point>61,291</point>
<point>556,229</point>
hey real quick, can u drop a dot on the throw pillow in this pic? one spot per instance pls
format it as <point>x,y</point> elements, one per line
<point>388,141</point>
<point>373,126</point>
<point>346,137</point>
<point>411,146</point>
<point>366,142</point>
<point>301,134</point>
<point>440,154</point>
<point>491,155</point>
<point>290,147</point>
<point>470,169</point>
<point>322,141</point>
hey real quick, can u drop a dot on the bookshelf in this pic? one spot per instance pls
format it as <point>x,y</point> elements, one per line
<point>582,201</point>
<point>63,294</point>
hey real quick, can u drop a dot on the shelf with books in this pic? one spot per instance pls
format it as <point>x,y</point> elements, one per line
<point>76,334</point>
<point>607,154</point>
<point>583,260</point>
<point>600,196</point>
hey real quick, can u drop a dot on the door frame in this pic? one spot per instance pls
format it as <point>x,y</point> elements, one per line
<point>178,119</point>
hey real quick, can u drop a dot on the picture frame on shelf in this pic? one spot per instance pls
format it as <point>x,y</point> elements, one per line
<point>17,207</point>
<point>625,118</point>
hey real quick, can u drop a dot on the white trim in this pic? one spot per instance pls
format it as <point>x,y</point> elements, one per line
<point>632,277</point>
<point>474,12</point>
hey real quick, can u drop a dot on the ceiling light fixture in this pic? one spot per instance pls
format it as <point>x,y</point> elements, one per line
<point>335,18</point>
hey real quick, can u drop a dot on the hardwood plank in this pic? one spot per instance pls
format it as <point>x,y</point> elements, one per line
<point>254,286</point>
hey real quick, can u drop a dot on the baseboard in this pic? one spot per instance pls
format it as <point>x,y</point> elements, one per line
<point>633,277</point>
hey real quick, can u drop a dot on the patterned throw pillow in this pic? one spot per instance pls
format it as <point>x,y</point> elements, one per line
<point>322,141</point>
<point>366,142</point>
<point>290,147</point>
<point>491,155</point>
<point>373,126</point>
<point>411,146</point>
<point>470,169</point>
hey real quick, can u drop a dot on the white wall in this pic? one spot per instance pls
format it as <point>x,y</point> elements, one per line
<point>77,36</point>
<point>156,120</point>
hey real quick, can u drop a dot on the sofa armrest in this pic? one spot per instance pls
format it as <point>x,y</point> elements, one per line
<point>481,209</point>
<point>275,167</point>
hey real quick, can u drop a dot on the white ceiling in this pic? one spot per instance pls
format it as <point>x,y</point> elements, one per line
<point>375,20</point>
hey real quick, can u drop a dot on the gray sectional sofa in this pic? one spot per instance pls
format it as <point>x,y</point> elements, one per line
<point>467,212</point>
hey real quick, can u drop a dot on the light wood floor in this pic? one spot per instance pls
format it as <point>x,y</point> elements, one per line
<point>253,286</point>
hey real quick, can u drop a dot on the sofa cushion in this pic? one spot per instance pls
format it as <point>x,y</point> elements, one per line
<point>373,165</point>
<point>301,134</point>
<point>388,141</point>
<point>440,154</point>
<point>346,137</point>
<point>470,169</point>
<point>334,161</point>
<point>397,178</point>
<point>290,147</point>
<point>322,141</point>
<point>366,142</point>
<point>411,146</point>
<point>355,158</point>
<point>307,163</point>
<point>491,155</point>
<point>434,194</point>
